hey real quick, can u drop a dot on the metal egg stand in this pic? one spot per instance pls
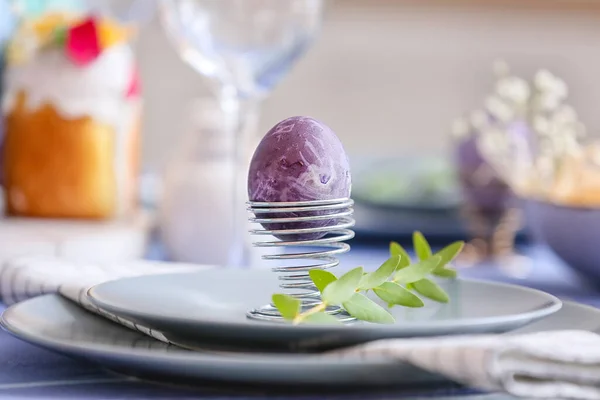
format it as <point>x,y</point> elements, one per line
<point>295,279</point>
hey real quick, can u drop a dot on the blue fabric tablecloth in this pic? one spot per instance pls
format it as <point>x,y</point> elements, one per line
<point>28,372</point>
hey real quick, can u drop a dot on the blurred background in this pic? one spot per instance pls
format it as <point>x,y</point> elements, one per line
<point>421,94</point>
<point>390,76</point>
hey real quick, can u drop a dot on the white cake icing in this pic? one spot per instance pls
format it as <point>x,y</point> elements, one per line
<point>123,132</point>
<point>96,90</point>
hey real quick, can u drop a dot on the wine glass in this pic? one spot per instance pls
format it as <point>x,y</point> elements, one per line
<point>245,47</point>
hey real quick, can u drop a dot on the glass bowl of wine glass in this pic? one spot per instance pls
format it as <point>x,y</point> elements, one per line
<point>244,48</point>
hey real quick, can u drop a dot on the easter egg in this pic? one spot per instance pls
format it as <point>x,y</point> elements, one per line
<point>299,159</point>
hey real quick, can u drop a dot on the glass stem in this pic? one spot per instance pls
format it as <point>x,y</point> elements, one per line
<point>241,118</point>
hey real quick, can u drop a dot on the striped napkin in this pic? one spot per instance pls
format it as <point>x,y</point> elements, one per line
<point>549,365</point>
<point>25,277</point>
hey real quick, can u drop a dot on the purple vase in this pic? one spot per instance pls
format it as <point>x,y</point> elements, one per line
<point>491,196</point>
<point>494,195</point>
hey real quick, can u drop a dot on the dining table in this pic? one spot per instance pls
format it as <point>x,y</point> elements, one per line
<point>29,372</point>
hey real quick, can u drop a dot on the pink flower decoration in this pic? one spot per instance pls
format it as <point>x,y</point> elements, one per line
<point>134,85</point>
<point>83,45</point>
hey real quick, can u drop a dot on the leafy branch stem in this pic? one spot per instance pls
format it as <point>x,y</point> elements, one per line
<point>396,282</point>
<point>302,316</point>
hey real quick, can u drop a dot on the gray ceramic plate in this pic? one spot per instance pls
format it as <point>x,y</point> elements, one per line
<point>57,324</point>
<point>212,304</point>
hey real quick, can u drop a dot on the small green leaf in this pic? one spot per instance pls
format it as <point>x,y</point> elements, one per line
<point>445,272</point>
<point>342,289</point>
<point>394,294</point>
<point>449,252</point>
<point>288,306</point>
<point>377,277</point>
<point>421,246</point>
<point>397,250</point>
<point>365,309</point>
<point>431,290</point>
<point>416,272</point>
<point>321,278</point>
<point>321,318</point>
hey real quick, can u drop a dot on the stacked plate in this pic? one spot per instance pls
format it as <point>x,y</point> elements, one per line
<point>202,332</point>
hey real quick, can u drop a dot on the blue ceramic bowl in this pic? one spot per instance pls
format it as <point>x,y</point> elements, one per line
<point>572,233</point>
<point>531,210</point>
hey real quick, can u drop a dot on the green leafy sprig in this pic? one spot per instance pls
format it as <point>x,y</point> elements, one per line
<point>397,282</point>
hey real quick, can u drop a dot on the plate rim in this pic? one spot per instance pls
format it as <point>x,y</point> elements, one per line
<point>104,354</point>
<point>232,357</point>
<point>97,348</point>
<point>554,304</point>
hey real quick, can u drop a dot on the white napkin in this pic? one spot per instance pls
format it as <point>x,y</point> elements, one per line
<point>25,277</point>
<point>549,365</point>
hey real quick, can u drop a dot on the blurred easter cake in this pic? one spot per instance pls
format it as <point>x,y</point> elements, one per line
<point>7,22</point>
<point>72,110</point>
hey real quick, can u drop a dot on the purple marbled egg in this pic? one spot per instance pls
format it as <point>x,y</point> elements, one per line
<point>299,159</point>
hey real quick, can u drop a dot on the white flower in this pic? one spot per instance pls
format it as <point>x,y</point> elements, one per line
<point>479,120</point>
<point>548,102</point>
<point>571,146</point>
<point>565,114</point>
<point>513,89</point>
<point>491,144</point>
<point>541,125</point>
<point>550,84</point>
<point>499,109</point>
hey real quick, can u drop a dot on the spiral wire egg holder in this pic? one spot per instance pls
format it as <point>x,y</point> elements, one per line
<point>336,217</point>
